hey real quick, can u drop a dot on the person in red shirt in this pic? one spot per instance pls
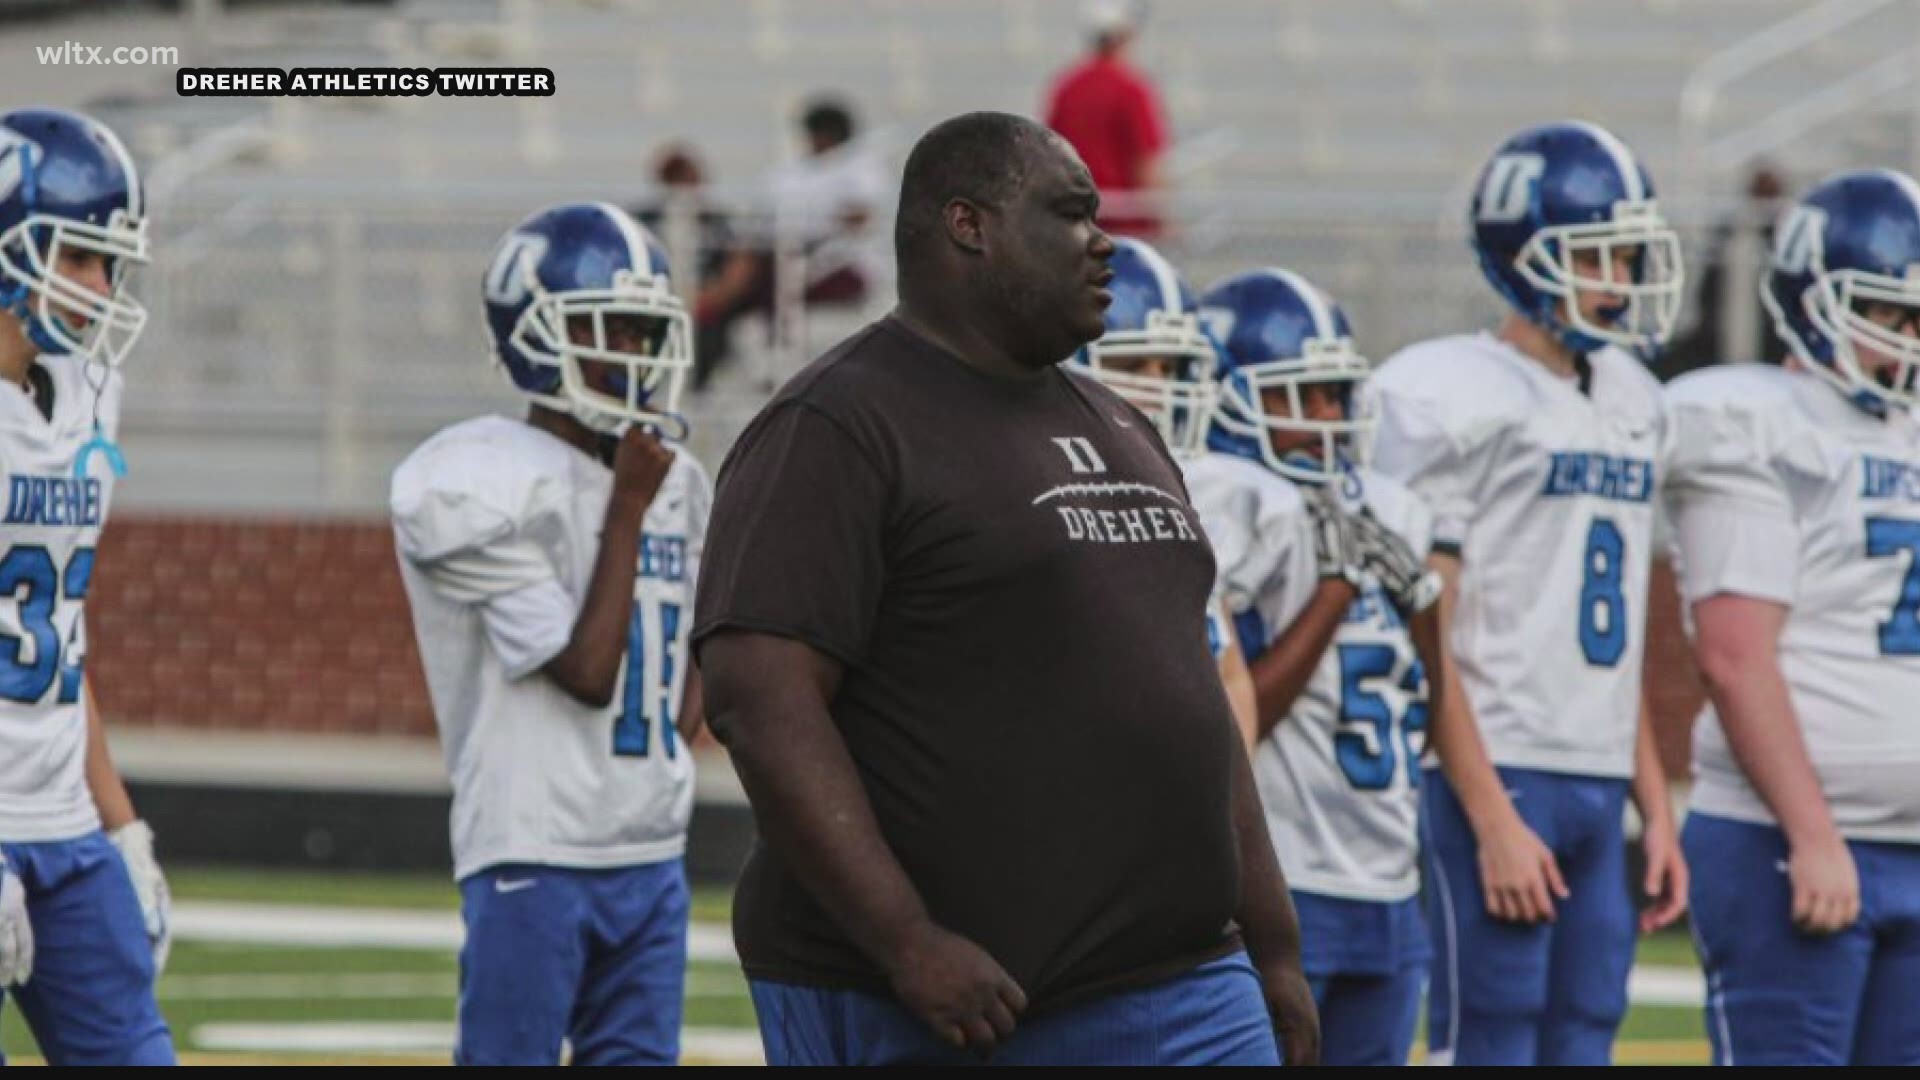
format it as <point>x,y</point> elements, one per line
<point>1111,114</point>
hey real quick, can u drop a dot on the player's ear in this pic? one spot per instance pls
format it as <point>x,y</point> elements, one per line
<point>965,222</point>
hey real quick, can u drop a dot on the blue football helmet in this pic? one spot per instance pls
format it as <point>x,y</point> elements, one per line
<point>1278,331</point>
<point>1853,240</point>
<point>67,184</point>
<point>1551,210</point>
<point>579,266</point>
<point>1152,318</point>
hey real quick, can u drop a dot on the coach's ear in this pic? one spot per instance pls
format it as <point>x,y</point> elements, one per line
<point>965,224</point>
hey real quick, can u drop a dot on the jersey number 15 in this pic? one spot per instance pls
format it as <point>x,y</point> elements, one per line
<point>646,702</point>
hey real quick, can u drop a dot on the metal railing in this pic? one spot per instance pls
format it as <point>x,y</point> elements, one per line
<point>302,342</point>
<point>1703,156</point>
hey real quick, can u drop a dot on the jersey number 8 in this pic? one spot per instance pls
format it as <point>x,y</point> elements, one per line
<point>1603,597</point>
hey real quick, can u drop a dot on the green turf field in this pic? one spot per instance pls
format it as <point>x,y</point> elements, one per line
<point>243,1002</point>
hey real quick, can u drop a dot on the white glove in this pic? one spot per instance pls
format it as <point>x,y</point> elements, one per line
<point>1402,572</point>
<point>1335,548</point>
<point>135,842</point>
<point>16,929</point>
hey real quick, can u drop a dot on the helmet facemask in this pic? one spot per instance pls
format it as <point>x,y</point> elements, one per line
<point>1181,403</point>
<point>1835,304</point>
<point>1336,444</point>
<point>646,381</point>
<point>1649,303</point>
<point>46,299</point>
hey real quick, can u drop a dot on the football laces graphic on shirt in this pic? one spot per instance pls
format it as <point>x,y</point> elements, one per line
<point>1116,488</point>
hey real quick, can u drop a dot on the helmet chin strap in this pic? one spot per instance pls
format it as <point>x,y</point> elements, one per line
<point>19,304</point>
<point>671,427</point>
<point>1865,390</point>
<point>1339,468</point>
<point>674,428</point>
<point>600,423</point>
<point>1307,463</point>
<point>1547,316</point>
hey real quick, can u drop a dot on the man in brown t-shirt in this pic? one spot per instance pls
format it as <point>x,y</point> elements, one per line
<point>951,622</point>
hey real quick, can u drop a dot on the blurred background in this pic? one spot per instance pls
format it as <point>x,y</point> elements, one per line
<point>316,315</point>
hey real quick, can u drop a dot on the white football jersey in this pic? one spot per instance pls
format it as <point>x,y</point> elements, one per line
<point>497,525</point>
<point>54,514</point>
<point>1781,489</point>
<point>1219,616</point>
<point>1546,493</point>
<point>1339,776</point>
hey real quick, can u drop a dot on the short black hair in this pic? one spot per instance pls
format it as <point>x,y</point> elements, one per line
<point>829,119</point>
<point>978,156</point>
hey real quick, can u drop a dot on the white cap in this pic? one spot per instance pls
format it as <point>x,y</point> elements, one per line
<point>1107,16</point>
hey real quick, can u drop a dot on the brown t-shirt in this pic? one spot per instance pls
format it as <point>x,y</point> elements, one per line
<point>1014,579</point>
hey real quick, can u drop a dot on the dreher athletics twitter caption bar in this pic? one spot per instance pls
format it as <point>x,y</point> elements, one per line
<point>365,82</point>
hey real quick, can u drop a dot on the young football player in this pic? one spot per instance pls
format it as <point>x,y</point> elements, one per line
<point>1156,355</point>
<point>83,912</point>
<point>1322,566</point>
<point>550,563</point>
<point>1537,448</point>
<point>1795,498</point>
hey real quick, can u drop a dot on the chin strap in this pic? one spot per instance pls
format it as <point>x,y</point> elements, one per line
<point>671,427</point>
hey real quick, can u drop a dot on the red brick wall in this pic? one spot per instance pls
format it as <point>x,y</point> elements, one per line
<point>302,625</point>
<point>1673,685</point>
<point>281,625</point>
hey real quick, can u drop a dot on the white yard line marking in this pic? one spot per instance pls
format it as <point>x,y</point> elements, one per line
<point>734,1047</point>
<point>301,925</point>
<point>373,986</point>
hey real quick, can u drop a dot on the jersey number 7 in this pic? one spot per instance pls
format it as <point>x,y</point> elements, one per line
<point>1900,634</point>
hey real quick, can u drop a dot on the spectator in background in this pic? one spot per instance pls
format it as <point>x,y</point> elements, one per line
<point>828,201</point>
<point>1111,114</point>
<point>679,184</point>
<point>822,207</point>
<point>1729,323</point>
<point>696,233</point>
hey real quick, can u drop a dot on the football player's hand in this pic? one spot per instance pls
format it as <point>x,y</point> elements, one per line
<point>16,929</point>
<point>640,465</point>
<point>958,990</point>
<point>1296,1019</point>
<point>1826,886</point>
<point>1666,881</point>
<point>135,842</point>
<point>1401,571</point>
<point>1335,549</point>
<point>1518,873</point>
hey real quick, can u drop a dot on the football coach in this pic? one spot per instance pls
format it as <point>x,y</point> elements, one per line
<point>950,620</point>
